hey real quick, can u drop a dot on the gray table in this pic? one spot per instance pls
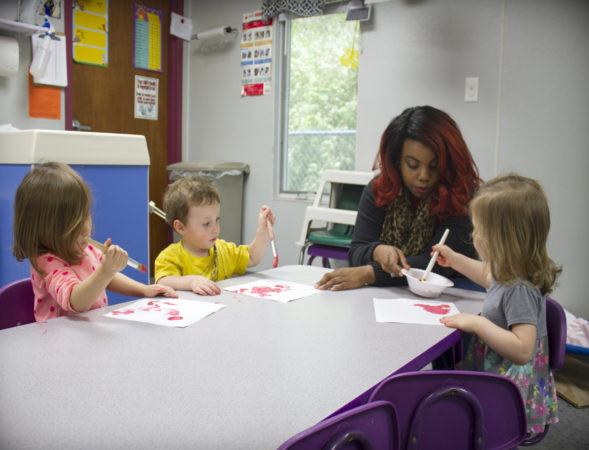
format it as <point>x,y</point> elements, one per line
<point>249,376</point>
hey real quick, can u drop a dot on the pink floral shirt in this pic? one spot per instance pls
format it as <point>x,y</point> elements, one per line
<point>53,291</point>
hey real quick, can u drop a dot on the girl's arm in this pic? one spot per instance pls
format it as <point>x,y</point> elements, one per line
<point>85,293</point>
<point>516,345</point>
<point>122,284</point>
<point>477,271</point>
<point>258,246</point>
<point>195,283</point>
<point>459,240</point>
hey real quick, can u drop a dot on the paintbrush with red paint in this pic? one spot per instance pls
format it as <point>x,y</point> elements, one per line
<point>273,244</point>
<point>130,261</point>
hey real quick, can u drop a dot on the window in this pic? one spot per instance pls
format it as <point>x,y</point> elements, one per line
<point>318,72</point>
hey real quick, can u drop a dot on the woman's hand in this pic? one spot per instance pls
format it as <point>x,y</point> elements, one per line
<point>204,286</point>
<point>153,290</point>
<point>390,258</point>
<point>346,278</point>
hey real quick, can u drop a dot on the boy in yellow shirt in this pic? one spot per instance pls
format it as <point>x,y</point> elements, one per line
<point>192,207</point>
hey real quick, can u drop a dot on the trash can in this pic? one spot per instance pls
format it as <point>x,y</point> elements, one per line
<point>229,177</point>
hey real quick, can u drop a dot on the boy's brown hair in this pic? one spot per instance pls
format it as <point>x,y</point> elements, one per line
<point>185,192</point>
<point>51,206</point>
<point>512,217</point>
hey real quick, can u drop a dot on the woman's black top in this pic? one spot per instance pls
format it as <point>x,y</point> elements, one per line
<point>366,237</point>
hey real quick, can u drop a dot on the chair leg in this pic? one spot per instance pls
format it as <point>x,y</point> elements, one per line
<point>325,262</point>
<point>304,249</point>
<point>310,261</point>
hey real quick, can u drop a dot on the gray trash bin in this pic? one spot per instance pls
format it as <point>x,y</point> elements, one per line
<point>229,178</point>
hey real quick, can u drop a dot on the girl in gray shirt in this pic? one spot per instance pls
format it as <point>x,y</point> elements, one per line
<point>511,221</point>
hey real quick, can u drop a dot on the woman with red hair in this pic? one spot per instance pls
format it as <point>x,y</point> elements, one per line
<point>427,179</point>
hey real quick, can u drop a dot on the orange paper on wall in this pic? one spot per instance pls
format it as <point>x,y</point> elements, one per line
<point>44,101</point>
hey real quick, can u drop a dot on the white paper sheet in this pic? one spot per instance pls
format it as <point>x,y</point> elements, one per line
<point>171,312</point>
<point>181,26</point>
<point>408,310</point>
<point>56,72</point>
<point>277,290</point>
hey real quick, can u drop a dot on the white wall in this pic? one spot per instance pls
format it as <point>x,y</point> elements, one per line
<point>532,115</point>
<point>223,126</point>
<point>14,90</point>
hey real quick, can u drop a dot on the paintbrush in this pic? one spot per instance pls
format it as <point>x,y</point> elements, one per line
<point>432,261</point>
<point>273,244</point>
<point>130,261</point>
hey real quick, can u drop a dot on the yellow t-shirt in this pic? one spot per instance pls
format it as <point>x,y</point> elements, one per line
<point>176,261</point>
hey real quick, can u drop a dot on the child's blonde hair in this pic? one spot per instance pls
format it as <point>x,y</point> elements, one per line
<point>511,215</point>
<point>186,192</point>
<point>51,206</point>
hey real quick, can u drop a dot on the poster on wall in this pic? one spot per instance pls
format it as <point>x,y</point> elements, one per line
<point>148,39</point>
<point>256,54</point>
<point>146,97</point>
<point>90,32</point>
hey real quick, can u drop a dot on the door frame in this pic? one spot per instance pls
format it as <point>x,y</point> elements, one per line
<point>175,72</point>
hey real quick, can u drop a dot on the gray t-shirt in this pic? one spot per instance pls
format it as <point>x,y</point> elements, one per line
<point>518,303</point>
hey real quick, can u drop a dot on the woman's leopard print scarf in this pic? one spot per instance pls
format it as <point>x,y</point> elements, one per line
<point>406,228</point>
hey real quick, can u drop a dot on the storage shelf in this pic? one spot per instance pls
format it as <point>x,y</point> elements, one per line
<point>19,27</point>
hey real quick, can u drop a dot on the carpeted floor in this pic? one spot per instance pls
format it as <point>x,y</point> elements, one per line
<point>571,433</point>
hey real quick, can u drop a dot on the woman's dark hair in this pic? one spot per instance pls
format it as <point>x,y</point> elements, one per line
<point>459,176</point>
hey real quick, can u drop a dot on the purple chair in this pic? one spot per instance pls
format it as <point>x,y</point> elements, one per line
<point>17,304</point>
<point>455,410</point>
<point>368,427</point>
<point>556,327</point>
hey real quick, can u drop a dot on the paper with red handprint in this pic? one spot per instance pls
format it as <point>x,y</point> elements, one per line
<point>277,290</point>
<point>171,312</point>
<point>407,310</point>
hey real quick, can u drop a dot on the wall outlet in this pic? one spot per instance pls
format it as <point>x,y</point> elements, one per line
<point>471,89</point>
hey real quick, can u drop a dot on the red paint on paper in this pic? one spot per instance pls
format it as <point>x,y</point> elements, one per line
<point>435,309</point>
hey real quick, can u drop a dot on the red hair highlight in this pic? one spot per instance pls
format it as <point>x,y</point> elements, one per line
<point>458,173</point>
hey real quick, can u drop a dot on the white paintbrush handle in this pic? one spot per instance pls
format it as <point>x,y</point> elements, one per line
<point>432,261</point>
<point>273,248</point>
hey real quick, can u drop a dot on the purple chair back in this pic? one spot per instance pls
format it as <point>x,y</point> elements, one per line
<point>453,410</point>
<point>368,427</point>
<point>556,326</point>
<point>17,304</point>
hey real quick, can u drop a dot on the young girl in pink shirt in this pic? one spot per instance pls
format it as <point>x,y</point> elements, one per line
<point>52,225</point>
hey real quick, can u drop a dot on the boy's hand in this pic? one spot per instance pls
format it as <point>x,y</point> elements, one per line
<point>266,220</point>
<point>114,258</point>
<point>446,256</point>
<point>204,286</point>
<point>153,290</point>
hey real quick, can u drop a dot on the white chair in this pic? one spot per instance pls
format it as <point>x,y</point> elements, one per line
<point>330,241</point>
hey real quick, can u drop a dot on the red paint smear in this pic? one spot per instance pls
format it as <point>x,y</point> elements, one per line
<point>265,291</point>
<point>175,318</point>
<point>126,311</point>
<point>173,312</point>
<point>435,309</point>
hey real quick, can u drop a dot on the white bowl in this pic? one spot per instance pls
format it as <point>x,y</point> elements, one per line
<point>432,287</point>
